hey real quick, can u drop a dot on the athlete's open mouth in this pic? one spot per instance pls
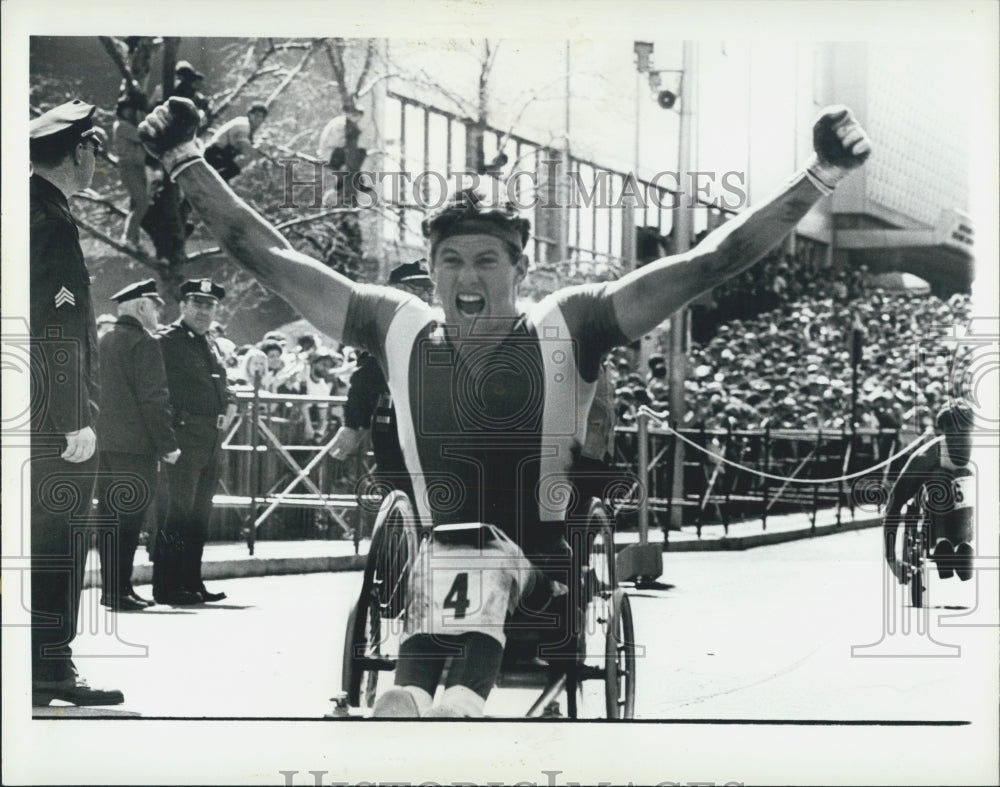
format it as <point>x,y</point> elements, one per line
<point>470,304</point>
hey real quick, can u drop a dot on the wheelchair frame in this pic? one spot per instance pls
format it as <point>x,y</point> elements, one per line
<point>381,606</point>
<point>919,538</point>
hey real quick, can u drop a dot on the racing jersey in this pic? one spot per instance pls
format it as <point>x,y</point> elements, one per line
<point>945,493</point>
<point>489,436</point>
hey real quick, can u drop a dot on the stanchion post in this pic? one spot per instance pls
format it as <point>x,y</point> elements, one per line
<point>254,462</point>
<point>816,455</point>
<point>670,491</point>
<point>840,481</point>
<point>642,562</point>
<point>767,469</point>
<point>725,452</point>
<point>642,435</point>
<point>702,460</point>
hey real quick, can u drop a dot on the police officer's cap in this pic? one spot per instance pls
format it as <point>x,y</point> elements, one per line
<point>202,288</point>
<point>62,127</point>
<point>141,289</point>
<point>411,273</point>
<point>185,69</point>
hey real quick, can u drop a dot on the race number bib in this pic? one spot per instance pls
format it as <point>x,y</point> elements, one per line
<point>460,588</point>
<point>963,491</point>
<point>956,522</point>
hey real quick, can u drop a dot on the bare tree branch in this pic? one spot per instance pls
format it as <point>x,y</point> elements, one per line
<point>315,217</point>
<point>257,72</point>
<point>335,54</point>
<point>291,75</point>
<point>369,55</point>
<point>364,91</point>
<point>99,199</point>
<point>111,47</point>
<point>135,254</point>
<point>202,254</point>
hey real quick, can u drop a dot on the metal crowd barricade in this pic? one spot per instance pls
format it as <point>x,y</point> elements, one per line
<point>716,492</point>
<point>271,467</point>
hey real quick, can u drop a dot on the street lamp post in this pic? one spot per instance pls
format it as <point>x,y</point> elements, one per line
<point>682,232</point>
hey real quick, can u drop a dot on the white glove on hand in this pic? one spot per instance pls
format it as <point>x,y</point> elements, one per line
<point>80,445</point>
<point>841,146</point>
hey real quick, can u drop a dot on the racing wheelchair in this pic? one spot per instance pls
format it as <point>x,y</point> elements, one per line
<point>937,518</point>
<point>604,640</point>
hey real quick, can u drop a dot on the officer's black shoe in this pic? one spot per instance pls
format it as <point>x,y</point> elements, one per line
<point>75,690</point>
<point>206,596</point>
<point>146,602</point>
<point>177,598</point>
<point>123,603</point>
<point>140,599</point>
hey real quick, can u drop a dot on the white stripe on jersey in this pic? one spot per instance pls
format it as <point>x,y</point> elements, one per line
<point>567,400</point>
<point>404,329</point>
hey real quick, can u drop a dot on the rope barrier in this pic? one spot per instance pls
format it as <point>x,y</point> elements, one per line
<point>662,421</point>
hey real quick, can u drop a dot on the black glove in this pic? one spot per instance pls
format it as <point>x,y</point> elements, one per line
<point>168,133</point>
<point>841,146</point>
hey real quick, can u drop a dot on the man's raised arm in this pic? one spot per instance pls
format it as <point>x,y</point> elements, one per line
<point>646,297</point>
<point>316,292</point>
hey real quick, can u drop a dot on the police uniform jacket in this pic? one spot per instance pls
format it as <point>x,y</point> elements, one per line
<point>64,352</point>
<point>136,417</point>
<point>197,383</point>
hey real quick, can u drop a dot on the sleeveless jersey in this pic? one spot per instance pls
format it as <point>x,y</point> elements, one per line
<point>489,437</point>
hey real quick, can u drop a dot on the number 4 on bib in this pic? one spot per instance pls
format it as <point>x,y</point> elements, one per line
<point>458,595</point>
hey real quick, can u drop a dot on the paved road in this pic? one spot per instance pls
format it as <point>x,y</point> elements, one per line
<point>762,634</point>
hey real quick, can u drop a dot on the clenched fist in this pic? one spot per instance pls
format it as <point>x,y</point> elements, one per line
<point>168,133</point>
<point>841,146</point>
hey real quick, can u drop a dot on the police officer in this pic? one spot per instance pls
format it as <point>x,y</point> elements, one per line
<point>135,429</point>
<point>196,379</point>
<point>63,147</point>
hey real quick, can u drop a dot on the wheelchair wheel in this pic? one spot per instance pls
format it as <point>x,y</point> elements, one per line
<point>362,648</point>
<point>394,545</point>
<point>619,659</point>
<point>915,549</point>
<point>599,573</point>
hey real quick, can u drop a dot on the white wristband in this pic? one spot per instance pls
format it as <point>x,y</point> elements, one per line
<point>177,159</point>
<point>825,177</point>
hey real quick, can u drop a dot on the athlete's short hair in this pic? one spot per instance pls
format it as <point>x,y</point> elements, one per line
<point>469,212</point>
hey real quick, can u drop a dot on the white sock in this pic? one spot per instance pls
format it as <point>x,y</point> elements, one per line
<point>421,697</point>
<point>464,700</point>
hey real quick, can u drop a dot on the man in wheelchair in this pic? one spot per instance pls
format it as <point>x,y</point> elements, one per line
<point>491,404</point>
<point>936,480</point>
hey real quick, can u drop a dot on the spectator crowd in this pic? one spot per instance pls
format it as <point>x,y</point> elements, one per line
<point>781,354</point>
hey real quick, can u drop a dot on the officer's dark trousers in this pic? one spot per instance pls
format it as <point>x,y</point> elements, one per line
<point>61,498</point>
<point>191,484</point>
<point>126,488</point>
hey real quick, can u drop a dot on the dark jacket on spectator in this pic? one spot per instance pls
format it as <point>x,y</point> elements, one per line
<point>136,417</point>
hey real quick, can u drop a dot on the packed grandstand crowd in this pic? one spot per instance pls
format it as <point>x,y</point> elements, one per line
<point>780,354</point>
